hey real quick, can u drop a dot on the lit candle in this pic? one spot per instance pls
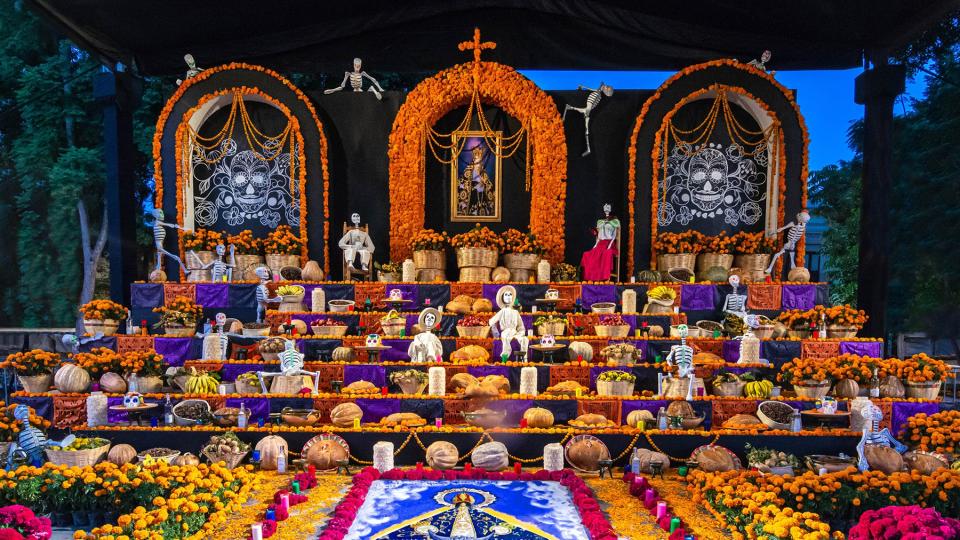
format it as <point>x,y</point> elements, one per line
<point>420,466</point>
<point>438,422</point>
<point>285,502</point>
<point>661,509</point>
<point>296,487</point>
<point>578,391</point>
<point>674,524</point>
<point>356,423</point>
<point>256,531</point>
<point>516,467</point>
<point>648,497</point>
<point>311,470</point>
<point>270,515</point>
<point>523,423</point>
<point>383,391</point>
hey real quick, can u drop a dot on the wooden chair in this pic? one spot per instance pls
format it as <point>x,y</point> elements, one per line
<point>615,271</point>
<point>348,273</point>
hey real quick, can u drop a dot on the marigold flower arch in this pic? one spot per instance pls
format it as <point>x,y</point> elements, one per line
<point>519,97</point>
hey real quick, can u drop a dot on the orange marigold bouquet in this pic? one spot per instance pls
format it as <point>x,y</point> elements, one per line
<point>746,243</point>
<point>181,310</point>
<point>103,309</point>
<point>857,368</point>
<point>721,243</point>
<point>921,368</point>
<point>201,240</point>
<point>685,242</point>
<point>805,369</point>
<point>478,237</point>
<point>10,427</point>
<point>144,363</point>
<point>800,318</point>
<point>845,315</point>
<point>99,361</point>
<point>515,241</point>
<point>283,241</point>
<point>245,243</point>
<point>429,240</point>
<point>32,363</point>
<point>939,432</point>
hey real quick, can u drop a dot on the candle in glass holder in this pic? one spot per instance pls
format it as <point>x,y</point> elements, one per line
<point>674,524</point>
<point>467,466</point>
<point>256,531</point>
<point>270,515</point>
<point>661,509</point>
<point>420,466</point>
<point>648,497</point>
<point>383,391</point>
<point>438,422</point>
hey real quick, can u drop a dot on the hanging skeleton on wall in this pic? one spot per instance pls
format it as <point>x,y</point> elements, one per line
<point>159,235</point>
<point>244,185</point>
<point>192,69</point>
<point>700,186</point>
<point>762,62</point>
<point>355,78</point>
<point>795,231</point>
<point>593,99</point>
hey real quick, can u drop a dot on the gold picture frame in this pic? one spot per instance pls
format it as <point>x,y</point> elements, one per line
<point>475,196</point>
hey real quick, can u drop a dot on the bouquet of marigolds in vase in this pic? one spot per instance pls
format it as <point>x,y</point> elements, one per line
<point>102,316</point>
<point>810,377</point>
<point>800,323</point>
<point>922,375</point>
<point>147,366</point>
<point>844,321</point>
<point>99,361</point>
<point>201,240</point>
<point>34,368</point>
<point>179,317</point>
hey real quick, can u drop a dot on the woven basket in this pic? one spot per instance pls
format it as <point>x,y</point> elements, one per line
<point>107,327</point>
<point>612,331</point>
<point>521,261</point>
<point>655,305</point>
<point>811,389</point>
<point>842,332</point>
<point>754,265</point>
<point>521,275</point>
<point>388,277</point>
<point>247,267</point>
<point>339,330</point>
<point>80,458</point>
<point>232,459</point>
<point>734,388</point>
<point>179,330</point>
<point>799,333</point>
<point>603,307</point>
<point>922,390</point>
<point>195,266</point>
<point>476,257</point>
<point>392,327</point>
<point>709,260</point>
<point>667,261</point>
<point>551,329</point>
<point>276,261</point>
<point>291,304</point>
<point>473,331</point>
<point>36,384</point>
<point>429,258</point>
<point>243,387</point>
<point>615,388</point>
<point>474,274</point>
<point>430,275</point>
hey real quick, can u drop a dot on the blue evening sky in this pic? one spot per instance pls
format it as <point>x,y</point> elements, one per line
<point>826,100</point>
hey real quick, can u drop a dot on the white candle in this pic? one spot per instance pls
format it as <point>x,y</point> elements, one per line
<point>256,531</point>
<point>528,381</point>
<point>383,456</point>
<point>553,457</point>
<point>437,377</point>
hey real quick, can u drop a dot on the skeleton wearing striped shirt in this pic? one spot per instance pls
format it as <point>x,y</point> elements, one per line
<point>355,78</point>
<point>795,231</point>
<point>593,99</point>
<point>873,435</point>
<point>263,294</point>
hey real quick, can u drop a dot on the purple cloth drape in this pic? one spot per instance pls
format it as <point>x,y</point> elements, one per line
<point>591,294</point>
<point>259,408</point>
<point>799,297</point>
<point>230,372</point>
<point>146,295</point>
<point>873,349</point>
<point>365,372</point>
<point>731,350</point>
<point>696,297</point>
<point>213,295</point>
<point>901,411</point>
<point>397,351</point>
<point>174,350</point>
<point>483,371</point>
<point>513,407</point>
<point>375,409</point>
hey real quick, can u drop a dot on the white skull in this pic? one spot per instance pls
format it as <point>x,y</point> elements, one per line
<point>429,320</point>
<point>803,217</point>
<point>221,318</point>
<point>508,298</point>
<point>373,340</point>
<point>548,340</point>
<point>355,219</point>
<point>765,57</point>
<point>132,399</point>
<point>263,273</point>
<point>221,249</point>
<point>357,63</point>
<point>709,179</point>
<point>607,209</point>
<point>396,294</point>
<point>682,330</point>
<point>552,294</point>
<point>734,280</point>
<point>249,181</point>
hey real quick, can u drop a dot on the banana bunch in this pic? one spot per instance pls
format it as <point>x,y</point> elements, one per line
<point>201,383</point>
<point>758,389</point>
<point>662,292</point>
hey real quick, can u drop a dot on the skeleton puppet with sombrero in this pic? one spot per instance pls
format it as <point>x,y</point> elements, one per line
<point>426,347</point>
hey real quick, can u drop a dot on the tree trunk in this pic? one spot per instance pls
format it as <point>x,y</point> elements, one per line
<point>91,256</point>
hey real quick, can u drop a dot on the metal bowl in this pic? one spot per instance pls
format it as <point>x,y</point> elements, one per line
<point>299,417</point>
<point>484,418</point>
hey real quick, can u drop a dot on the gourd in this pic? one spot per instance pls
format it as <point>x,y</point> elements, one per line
<point>344,414</point>
<point>186,459</point>
<point>491,456</point>
<point>461,381</point>
<point>639,415</point>
<point>846,388</point>
<point>891,387</point>
<point>270,448</point>
<point>311,272</point>
<point>482,305</point>
<point>442,455</point>
<point>121,454</point>
<point>580,349</point>
<point>325,454</point>
<point>585,454</point>
<point>113,383</point>
<point>647,457</point>
<point>343,354</point>
<point>655,330</point>
<point>71,378</point>
<point>883,458</point>
<point>538,417</point>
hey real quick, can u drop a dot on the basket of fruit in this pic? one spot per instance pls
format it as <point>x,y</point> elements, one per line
<point>728,384</point>
<point>291,298</point>
<point>227,448</point>
<point>328,327</point>
<point>474,326</point>
<point>612,326</point>
<point>82,452</point>
<point>393,323</point>
<point>271,348</point>
<point>159,454</point>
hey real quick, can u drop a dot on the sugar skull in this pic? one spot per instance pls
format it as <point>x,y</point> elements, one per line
<point>373,340</point>
<point>249,181</point>
<point>132,400</point>
<point>552,294</point>
<point>548,340</point>
<point>708,179</point>
<point>396,294</point>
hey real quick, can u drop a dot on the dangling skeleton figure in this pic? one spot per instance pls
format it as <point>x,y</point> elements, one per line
<point>735,303</point>
<point>795,231</point>
<point>682,356</point>
<point>263,293</point>
<point>192,69</point>
<point>510,322</point>
<point>355,78</point>
<point>291,365</point>
<point>159,235</point>
<point>873,435</point>
<point>219,268</point>
<point>593,99</point>
<point>762,62</point>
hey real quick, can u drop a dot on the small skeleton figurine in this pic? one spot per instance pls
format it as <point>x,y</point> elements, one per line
<point>220,268</point>
<point>291,365</point>
<point>159,235</point>
<point>735,303</point>
<point>426,347</point>
<point>31,440</point>
<point>762,62</point>
<point>355,241</point>
<point>192,69</point>
<point>263,294</point>
<point>221,319</point>
<point>682,355</point>
<point>593,99</point>
<point>355,78</point>
<point>510,322</point>
<point>873,435</point>
<point>795,232</point>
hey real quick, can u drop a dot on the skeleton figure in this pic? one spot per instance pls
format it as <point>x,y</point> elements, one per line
<point>263,294</point>
<point>795,231</point>
<point>426,347</point>
<point>355,78</point>
<point>192,69</point>
<point>31,441</point>
<point>593,99</point>
<point>220,268</point>
<point>159,235</point>
<point>510,322</point>
<point>355,241</point>
<point>291,365</point>
<point>735,303</point>
<point>762,63</point>
<point>873,435</point>
<point>682,356</point>
<point>221,319</point>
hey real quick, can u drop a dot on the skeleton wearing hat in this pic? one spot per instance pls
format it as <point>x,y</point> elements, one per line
<point>426,346</point>
<point>510,322</point>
